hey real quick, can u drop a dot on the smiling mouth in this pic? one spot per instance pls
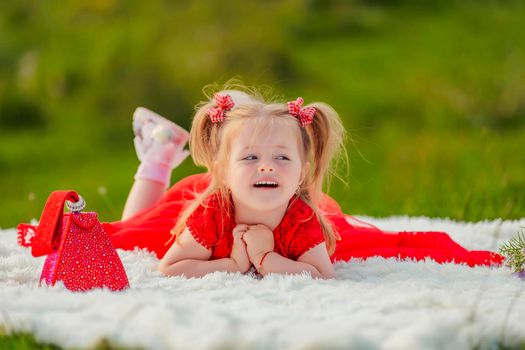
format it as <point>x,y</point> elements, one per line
<point>266,184</point>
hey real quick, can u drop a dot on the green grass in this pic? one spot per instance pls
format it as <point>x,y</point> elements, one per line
<point>436,105</point>
<point>26,341</point>
<point>432,98</point>
<point>471,174</point>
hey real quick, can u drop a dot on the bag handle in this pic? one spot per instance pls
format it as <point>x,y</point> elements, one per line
<point>47,235</point>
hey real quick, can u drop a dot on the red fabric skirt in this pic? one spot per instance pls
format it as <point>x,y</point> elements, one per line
<point>150,229</point>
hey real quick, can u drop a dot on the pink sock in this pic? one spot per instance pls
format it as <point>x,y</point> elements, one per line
<point>157,172</point>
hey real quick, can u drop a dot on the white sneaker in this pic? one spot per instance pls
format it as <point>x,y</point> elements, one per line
<point>158,140</point>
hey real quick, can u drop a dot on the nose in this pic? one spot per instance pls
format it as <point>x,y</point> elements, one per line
<point>263,168</point>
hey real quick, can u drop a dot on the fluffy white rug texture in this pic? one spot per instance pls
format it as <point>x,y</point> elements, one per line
<point>373,304</point>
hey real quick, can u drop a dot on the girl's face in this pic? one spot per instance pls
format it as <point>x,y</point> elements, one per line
<point>265,166</point>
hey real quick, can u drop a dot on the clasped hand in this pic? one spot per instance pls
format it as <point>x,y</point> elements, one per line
<point>250,242</point>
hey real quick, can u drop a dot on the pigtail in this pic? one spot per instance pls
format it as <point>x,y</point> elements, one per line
<point>327,135</point>
<point>203,136</point>
<point>326,138</point>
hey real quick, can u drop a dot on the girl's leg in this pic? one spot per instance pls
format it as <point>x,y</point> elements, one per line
<point>143,194</point>
<point>160,148</point>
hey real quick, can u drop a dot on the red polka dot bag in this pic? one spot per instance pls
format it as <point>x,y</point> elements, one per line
<point>79,252</point>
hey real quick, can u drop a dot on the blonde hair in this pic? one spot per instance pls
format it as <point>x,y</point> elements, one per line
<point>321,144</point>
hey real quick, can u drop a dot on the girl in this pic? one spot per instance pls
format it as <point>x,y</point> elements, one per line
<point>260,203</point>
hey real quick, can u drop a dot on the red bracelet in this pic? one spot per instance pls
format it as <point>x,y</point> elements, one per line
<point>262,259</point>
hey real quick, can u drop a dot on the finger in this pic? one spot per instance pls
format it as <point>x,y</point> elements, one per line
<point>246,236</point>
<point>241,227</point>
<point>237,233</point>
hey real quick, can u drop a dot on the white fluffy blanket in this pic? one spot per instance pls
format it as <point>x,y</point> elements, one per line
<point>373,304</point>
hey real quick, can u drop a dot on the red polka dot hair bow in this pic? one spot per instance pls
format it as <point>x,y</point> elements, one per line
<point>305,115</point>
<point>224,103</point>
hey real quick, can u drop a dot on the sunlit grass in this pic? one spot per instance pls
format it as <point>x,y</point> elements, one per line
<point>26,341</point>
<point>462,174</point>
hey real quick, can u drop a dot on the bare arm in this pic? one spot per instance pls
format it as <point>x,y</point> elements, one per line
<point>143,194</point>
<point>198,268</point>
<point>316,261</point>
<point>188,257</point>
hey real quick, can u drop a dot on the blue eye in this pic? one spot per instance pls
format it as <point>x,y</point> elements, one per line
<point>252,157</point>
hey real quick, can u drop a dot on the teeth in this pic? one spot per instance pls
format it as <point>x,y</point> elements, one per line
<point>266,183</point>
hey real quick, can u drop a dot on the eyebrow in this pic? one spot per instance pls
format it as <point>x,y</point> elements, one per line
<point>275,146</point>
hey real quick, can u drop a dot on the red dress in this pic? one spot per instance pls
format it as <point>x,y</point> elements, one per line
<point>298,231</point>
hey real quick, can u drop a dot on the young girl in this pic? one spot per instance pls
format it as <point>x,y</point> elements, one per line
<point>260,202</point>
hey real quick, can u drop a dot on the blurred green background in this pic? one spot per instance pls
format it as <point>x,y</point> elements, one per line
<point>431,92</point>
